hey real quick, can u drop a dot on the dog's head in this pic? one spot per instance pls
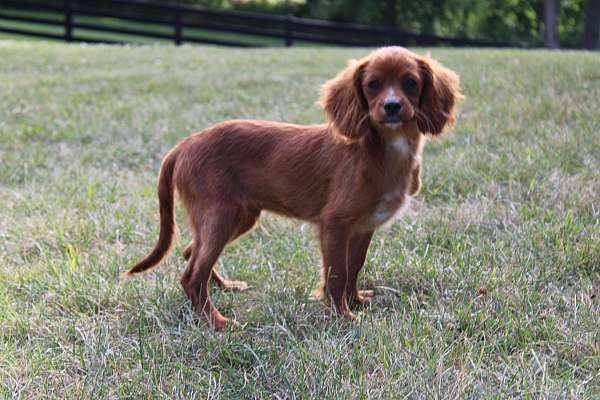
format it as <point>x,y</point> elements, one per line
<point>388,89</point>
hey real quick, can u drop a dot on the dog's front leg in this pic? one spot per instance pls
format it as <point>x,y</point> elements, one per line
<point>334,249</point>
<point>415,184</point>
<point>357,252</point>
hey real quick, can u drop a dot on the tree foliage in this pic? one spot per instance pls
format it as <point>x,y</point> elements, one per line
<point>506,20</point>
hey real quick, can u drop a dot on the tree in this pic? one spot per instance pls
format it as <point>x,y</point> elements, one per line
<point>591,30</point>
<point>391,15</point>
<point>550,24</point>
<point>564,23</point>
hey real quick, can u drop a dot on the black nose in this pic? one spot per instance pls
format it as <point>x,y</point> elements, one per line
<point>392,107</point>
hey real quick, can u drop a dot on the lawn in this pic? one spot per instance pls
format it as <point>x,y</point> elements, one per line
<point>488,288</point>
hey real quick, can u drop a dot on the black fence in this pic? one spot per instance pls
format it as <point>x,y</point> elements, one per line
<point>121,21</point>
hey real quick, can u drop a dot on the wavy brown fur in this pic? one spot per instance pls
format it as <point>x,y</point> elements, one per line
<point>349,177</point>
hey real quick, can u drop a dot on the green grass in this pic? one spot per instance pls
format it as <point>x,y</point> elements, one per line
<point>488,288</point>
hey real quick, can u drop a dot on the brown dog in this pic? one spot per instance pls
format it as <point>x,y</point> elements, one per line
<point>349,177</point>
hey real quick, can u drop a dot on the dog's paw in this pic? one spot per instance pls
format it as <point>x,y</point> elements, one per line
<point>350,316</point>
<point>234,285</point>
<point>363,296</point>
<point>317,295</point>
<point>220,324</point>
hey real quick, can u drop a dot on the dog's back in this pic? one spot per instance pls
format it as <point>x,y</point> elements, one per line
<point>260,164</point>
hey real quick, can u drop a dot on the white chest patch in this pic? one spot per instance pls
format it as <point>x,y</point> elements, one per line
<point>385,214</point>
<point>400,145</point>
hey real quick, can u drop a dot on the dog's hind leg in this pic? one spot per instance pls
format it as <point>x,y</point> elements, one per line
<point>216,227</point>
<point>187,252</point>
<point>216,277</point>
<point>245,225</point>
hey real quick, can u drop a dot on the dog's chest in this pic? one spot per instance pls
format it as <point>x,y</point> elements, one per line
<point>390,207</point>
<point>394,198</point>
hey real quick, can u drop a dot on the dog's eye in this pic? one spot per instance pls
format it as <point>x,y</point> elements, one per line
<point>373,84</point>
<point>410,85</point>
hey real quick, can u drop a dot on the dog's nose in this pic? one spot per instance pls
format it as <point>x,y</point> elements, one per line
<point>392,107</point>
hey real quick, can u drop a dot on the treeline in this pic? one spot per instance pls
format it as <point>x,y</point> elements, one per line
<point>553,23</point>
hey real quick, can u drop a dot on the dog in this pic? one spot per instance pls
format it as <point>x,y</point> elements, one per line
<point>349,176</point>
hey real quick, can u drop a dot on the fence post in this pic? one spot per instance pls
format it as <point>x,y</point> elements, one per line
<point>289,30</point>
<point>389,38</point>
<point>178,26</point>
<point>68,21</point>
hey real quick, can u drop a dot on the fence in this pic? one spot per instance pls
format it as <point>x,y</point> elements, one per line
<point>117,21</point>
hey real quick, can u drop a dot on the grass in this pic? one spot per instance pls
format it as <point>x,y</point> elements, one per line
<point>488,288</point>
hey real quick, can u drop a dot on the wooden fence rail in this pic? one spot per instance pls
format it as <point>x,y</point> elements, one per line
<point>181,24</point>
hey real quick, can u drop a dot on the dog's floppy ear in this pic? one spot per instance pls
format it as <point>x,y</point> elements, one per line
<point>440,93</point>
<point>344,102</point>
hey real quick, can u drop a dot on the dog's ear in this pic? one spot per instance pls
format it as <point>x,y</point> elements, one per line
<point>440,93</point>
<point>344,102</point>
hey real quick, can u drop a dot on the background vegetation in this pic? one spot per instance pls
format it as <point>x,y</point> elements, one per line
<point>529,23</point>
<point>514,20</point>
<point>488,288</point>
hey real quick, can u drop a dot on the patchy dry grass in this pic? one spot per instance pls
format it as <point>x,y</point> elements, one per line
<point>489,288</point>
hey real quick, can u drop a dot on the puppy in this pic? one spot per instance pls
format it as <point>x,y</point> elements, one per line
<point>348,177</point>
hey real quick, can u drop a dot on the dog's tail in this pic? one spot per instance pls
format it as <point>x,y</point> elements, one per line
<point>167,218</point>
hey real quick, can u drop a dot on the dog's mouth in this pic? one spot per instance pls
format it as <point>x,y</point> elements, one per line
<point>392,122</point>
